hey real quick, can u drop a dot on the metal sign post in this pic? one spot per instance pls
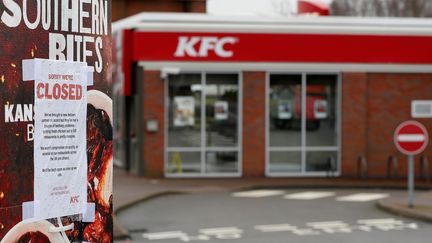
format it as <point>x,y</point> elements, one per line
<point>411,138</point>
<point>410,181</point>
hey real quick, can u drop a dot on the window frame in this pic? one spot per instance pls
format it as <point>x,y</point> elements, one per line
<point>303,149</point>
<point>204,148</point>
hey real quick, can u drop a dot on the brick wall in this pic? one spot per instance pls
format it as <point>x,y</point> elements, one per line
<point>254,124</point>
<point>373,106</point>
<point>354,127</point>
<point>198,7</point>
<point>118,10</point>
<point>125,8</point>
<point>389,104</point>
<point>153,109</point>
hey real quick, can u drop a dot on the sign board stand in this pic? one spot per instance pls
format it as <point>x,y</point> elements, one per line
<point>411,138</point>
<point>410,181</point>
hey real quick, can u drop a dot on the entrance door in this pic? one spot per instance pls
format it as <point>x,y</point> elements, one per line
<point>203,125</point>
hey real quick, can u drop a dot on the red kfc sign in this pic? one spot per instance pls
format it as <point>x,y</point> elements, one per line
<point>281,47</point>
<point>200,46</point>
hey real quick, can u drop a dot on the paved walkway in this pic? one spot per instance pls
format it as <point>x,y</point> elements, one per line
<point>130,189</point>
<point>422,208</point>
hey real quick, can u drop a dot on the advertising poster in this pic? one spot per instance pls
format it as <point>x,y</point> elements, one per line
<point>184,111</point>
<point>284,109</point>
<point>221,110</point>
<point>56,129</point>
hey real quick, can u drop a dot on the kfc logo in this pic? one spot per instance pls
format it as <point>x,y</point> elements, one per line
<point>74,199</point>
<point>200,46</point>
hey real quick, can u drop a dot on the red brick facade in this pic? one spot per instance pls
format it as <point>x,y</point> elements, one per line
<point>354,117</point>
<point>153,109</point>
<point>254,124</point>
<point>124,8</point>
<point>372,106</point>
<point>389,104</point>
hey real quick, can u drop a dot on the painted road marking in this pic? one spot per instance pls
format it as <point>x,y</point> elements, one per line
<point>258,193</point>
<point>411,138</point>
<point>220,230</point>
<point>309,229</point>
<point>164,235</point>
<point>274,228</point>
<point>223,233</point>
<point>379,221</point>
<point>387,224</point>
<point>325,223</point>
<point>311,195</point>
<point>331,227</point>
<point>362,197</point>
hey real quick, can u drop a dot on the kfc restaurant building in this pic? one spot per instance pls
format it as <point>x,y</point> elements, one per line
<point>261,97</point>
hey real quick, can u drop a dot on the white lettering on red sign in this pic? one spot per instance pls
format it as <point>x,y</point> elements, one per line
<point>200,46</point>
<point>411,137</point>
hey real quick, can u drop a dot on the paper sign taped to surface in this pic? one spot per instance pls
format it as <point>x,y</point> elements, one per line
<point>221,110</point>
<point>184,111</point>
<point>60,158</point>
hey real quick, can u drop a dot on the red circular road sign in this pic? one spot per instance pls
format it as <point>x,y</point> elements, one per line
<point>411,137</point>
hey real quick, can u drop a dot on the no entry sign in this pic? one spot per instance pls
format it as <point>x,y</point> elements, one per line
<point>411,137</point>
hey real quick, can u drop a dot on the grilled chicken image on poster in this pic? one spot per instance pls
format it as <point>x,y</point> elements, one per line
<point>44,34</point>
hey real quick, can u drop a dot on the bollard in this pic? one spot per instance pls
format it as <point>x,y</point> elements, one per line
<point>392,167</point>
<point>331,166</point>
<point>362,170</point>
<point>424,168</point>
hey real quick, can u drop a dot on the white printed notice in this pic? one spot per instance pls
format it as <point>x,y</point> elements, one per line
<point>60,159</point>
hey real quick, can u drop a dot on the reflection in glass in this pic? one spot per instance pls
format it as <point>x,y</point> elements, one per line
<point>184,110</point>
<point>183,162</point>
<point>281,162</point>
<point>222,162</point>
<point>304,127</point>
<point>185,126</point>
<point>285,110</point>
<point>322,161</point>
<point>221,92</point>
<point>321,100</point>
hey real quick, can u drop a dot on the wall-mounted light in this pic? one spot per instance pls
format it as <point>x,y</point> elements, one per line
<point>167,71</point>
<point>152,125</point>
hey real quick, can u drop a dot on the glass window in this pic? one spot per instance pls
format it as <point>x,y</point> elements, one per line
<point>303,124</point>
<point>285,110</point>
<point>221,92</point>
<point>183,162</point>
<point>321,161</point>
<point>222,161</point>
<point>321,103</point>
<point>184,110</point>
<point>285,162</point>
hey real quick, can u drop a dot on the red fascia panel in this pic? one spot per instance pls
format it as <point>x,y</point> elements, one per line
<point>291,48</point>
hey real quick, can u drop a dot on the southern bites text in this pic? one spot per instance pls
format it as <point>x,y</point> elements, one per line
<point>84,21</point>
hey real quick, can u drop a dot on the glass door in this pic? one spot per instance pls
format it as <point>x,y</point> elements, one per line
<point>203,125</point>
<point>184,124</point>
<point>222,113</point>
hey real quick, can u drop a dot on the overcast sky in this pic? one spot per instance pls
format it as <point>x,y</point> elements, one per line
<point>252,7</point>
